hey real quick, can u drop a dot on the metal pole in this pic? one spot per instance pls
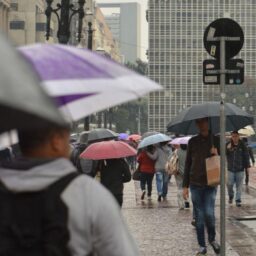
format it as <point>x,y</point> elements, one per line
<point>64,31</point>
<point>89,46</point>
<point>222,148</point>
<point>139,116</point>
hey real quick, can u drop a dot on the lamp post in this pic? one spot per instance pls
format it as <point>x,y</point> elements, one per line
<point>89,45</point>
<point>67,11</point>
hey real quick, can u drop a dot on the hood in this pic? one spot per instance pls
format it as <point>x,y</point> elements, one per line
<point>34,175</point>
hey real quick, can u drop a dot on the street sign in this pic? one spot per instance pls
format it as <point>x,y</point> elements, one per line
<point>234,72</point>
<point>223,27</point>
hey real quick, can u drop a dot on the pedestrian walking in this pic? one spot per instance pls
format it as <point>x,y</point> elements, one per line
<point>61,212</point>
<point>201,147</point>
<point>251,157</point>
<point>147,169</point>
<point>238,162</point>
<point>179,176</point>
<point>113,173</point>
<point>160,156</point>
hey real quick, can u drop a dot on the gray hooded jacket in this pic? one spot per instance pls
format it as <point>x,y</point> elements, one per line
<point>95,221</point>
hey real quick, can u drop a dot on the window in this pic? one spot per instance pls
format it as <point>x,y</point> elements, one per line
<point>14,7</point>
<point>17,24</point>
<point>40,26</point>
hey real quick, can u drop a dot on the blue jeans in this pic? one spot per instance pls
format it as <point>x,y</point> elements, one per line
<point>162,183</point>
<point>235,178</point>
<point>203,199</point>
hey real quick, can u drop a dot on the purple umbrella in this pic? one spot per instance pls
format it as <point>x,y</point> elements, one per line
<point>123,136</point>
<point>82,81</point>
<point>180,140</point>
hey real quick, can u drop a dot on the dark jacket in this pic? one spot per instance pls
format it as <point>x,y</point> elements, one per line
<point>237,157</point>
<point>199,148</point>
<point>113,173</point>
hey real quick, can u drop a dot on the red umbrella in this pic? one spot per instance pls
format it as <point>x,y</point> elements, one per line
<point>135,137</point>
<point>108,150</point>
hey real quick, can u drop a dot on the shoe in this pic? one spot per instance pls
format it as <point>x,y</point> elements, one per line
<point>149,198</point>
<point>230,201</point>
<point>193,222</point>
<point>215,247</point>
<point>159,198</point>
<point>164,198</point>
<point>202,251</point>
<point>187,205</point>
<point>143,195</point>
<point>238,203</point>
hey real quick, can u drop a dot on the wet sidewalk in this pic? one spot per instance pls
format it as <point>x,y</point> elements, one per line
<point>161,229</point>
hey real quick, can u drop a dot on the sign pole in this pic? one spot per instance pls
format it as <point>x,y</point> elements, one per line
<point>222,146</point>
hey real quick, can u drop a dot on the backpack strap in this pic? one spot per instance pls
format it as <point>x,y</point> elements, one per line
<point>59,185</point>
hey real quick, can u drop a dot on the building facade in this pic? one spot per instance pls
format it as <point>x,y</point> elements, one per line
<point>126,28</point>
<point>4,14</point>
<point>103,40</point>
<point>27,22</point>
<point>176,52</point>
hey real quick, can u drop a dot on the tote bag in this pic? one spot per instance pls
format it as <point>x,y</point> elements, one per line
<point>213,170</point>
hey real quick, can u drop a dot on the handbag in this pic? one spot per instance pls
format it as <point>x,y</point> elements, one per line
<point>137,174</point>
<point>213,170</point>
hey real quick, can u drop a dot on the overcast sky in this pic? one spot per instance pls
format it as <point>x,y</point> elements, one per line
<point>144,25</point>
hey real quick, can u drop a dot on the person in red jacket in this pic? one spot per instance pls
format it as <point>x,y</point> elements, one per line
<point>147,168</point>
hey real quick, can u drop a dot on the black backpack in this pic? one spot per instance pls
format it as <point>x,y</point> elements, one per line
<point>35,223</point>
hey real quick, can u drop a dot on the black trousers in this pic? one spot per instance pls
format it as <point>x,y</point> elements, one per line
<point>146,178</point>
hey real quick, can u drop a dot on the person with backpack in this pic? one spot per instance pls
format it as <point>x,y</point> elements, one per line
<point>113,174</point>
<point>160,156</point>
<point>48,208</point>
<point>238,161</point>
<point>176,167</point>
<point>147,169</point>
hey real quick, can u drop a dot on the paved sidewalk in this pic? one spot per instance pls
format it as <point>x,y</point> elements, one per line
<point>161,229</point>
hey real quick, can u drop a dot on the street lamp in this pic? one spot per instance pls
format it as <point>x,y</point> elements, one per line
<point>67,11</point>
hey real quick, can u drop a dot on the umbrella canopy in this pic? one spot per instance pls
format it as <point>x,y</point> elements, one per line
<point>146,134</point>
<point>247,131</point>
<point>135,137</point>
<point>101,134</point>
<point>23,102</point>
<point>123,136</point>
<point>184,123</point>
<point>84,82</point>
<point>181,140</point>
<point>154,139</point>
<point>108,150</point>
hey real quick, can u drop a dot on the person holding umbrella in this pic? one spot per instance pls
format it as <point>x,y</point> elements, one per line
<point>113,168</point>
<point>147,169</point>
<point>201,147</point>
<point>113,174</point>
<point>160,156</point>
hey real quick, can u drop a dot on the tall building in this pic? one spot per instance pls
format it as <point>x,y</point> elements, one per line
<point>4,15</point>
<point>27,21</point>
<point>103,40</point>
<point>126,28</point>
<point>176,51</point>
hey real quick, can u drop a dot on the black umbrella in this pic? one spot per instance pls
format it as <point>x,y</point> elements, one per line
<point>184,123</point>
<point>23,102</point>
<point>101,134</point>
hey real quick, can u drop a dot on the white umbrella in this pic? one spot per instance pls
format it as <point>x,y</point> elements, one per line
<point>247,131</point>
<point>84,82</point>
